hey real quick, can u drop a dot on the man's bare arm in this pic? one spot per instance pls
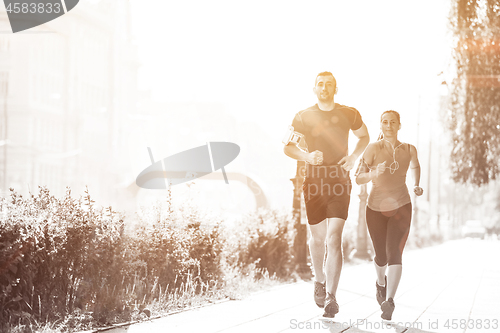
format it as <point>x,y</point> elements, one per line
<point>291,150</point>
<point>347,162</point>
<point>364,140</point>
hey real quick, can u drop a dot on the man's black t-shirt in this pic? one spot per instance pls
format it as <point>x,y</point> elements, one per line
<point>327,131</point>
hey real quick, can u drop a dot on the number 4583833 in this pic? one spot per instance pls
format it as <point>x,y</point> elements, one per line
<point>33,8</point>
<point>471,324</point>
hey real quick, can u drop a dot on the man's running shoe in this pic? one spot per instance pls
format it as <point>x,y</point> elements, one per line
<point>387,309</point>
<point>319,293</point>
<point>381,292</point>
<point>331,306</point>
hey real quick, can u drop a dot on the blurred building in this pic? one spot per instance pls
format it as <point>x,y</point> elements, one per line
<point>67,89</point>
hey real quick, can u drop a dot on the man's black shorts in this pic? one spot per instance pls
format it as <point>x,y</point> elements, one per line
<point>327,192</point>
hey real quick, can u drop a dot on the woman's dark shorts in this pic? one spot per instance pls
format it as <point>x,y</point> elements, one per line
<point>327,192</point>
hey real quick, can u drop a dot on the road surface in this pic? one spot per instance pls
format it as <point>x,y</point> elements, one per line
<point>452,287</point>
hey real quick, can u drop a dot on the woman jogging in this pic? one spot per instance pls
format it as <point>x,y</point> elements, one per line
<point>388,212</point>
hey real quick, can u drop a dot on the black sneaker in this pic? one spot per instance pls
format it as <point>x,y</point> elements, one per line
<point>331,306</point>
<point>387,309</point>
<point>381,292</point>
<point>319,294</point>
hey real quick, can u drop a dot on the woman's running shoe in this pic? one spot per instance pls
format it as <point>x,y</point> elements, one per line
<point>387,309</point>
<point>331,306</point>
<point>319,293</point>
<point>381,292</point>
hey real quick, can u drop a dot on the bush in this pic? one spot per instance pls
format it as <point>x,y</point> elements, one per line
<point>68,262</point>
<point>265,239</point>
<point>55,255</point>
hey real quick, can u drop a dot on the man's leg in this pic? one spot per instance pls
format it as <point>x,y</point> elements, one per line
<point>334,261</point>
<point>334,258</point>
<point>317,249</point>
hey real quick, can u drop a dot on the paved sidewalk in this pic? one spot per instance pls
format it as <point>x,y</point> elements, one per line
<point>453,287</point>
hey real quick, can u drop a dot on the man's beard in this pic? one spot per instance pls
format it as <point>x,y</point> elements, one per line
<point>326,99</point>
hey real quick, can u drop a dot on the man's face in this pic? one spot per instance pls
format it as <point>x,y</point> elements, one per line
<point>325,88</point>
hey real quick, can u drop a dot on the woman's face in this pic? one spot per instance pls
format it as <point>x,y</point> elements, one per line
<point>390,125</point>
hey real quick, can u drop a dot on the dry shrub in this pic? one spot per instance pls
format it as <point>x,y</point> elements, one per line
<point>68,265</point>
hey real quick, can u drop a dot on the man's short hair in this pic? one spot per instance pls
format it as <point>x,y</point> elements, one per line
<point>327,74</point>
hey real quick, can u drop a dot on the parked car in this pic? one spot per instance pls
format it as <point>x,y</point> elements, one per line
<point>474,229</point>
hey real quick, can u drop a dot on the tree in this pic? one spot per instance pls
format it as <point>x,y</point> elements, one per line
<point>474,110</point>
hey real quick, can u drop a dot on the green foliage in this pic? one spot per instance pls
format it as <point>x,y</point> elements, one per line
<point>475,92</point>
<point>64,261</point>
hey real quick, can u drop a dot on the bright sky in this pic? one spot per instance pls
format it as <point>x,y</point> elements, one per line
<point>260,58</point>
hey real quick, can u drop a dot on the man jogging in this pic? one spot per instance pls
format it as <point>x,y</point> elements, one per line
<point>323,131</point>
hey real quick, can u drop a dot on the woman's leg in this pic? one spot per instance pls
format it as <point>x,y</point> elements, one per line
<point>380,270</point>
<point>398,228</point>
<point>393,277</point>
<point>377,226</point>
